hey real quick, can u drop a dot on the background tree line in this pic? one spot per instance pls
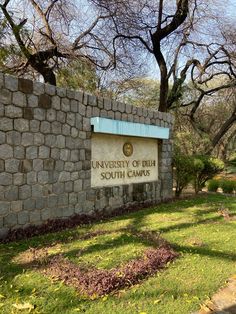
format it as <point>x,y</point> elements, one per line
<point>111,47</point>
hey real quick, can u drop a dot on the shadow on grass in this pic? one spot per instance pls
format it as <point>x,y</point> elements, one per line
<point>9,270</point>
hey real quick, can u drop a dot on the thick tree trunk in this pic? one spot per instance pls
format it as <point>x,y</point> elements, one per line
<point>222,131</point>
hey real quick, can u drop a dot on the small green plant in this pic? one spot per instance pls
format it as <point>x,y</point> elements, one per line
<point>228,186</point>
<point>211,167</point>
<point>213,185</point>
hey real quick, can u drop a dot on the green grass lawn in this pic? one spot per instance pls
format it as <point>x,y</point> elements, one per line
<point>206,243</point>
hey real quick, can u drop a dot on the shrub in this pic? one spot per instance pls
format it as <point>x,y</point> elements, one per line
<point>213,185</point>
<point>183,171</point>
<point>211,167</point>
<point>228,186</point>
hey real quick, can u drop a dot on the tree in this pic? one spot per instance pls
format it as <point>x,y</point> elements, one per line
<point>176,35</point>
<point>47,33</point>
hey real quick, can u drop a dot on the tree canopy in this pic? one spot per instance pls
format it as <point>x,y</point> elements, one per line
<point>189,44</point>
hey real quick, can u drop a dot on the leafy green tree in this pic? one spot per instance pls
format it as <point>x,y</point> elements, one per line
<point>78,75</point>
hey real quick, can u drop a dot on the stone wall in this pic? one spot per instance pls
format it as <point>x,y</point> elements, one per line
<point>45,152</point>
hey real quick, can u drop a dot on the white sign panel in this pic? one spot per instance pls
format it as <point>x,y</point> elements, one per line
<point>118,160</point>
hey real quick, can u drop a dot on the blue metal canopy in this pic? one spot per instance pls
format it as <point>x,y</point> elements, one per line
<point>109,126</point>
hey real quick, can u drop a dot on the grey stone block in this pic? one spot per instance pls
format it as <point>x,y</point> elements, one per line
<point>13,138</point>
<point>29,204</point>
<point>107,104</point>
<point>61,92</point>
<point>19,179</point>
<point>74,105</point>
<point>23,218</point>
<point>63,199</point>
<point>56,102</point>
<point>38,139</point>
<point>5,96</point>
<point>38,88</point>
<point>6,124</point>
<point>31,177</point>
<point>65,154</point>
<point>74,155</point>
<point>24,192</point>
<point>92,100</point>
<point>64,176</point>
<point>70,119</point>
<point>58,188</point>
<point>6,151</point>
<point>65,104</point>
<point>82,109</point>
<point>31,152</point>
<point>74,132</point>
<point>37,190</point>
<point>61,116</point>
<point>45,127</point>
<point>4,208</point>
<point>51,115</point>
<point>68,211</point>
<point>117,115</point>
<point>103,113</point>
<point>43,177</point>
<point>21,125</point>
<point>86,124</point>
<point>69,166</point>
<point>70,93</point>
<point>114,105</point>
<point>32,101</point>
<point>69,186</point>
<point>11,194</point>
<point>12,165</point>
<point>56,127</point>
<point>10,220</point>
<point>111,114</point>
<point>79,96</point>
<point>78,185</point>
<point>59,166</point>
<point>128,108</point>
<point>2,137</point>
<point>39,114</point>
<point>46,214</point>
<point>121,107</point>
<point>37,164</point>
<point>27,139</point>
<point>16,206</point>
<point>34,126</point>
<point>19,99</point>
<point>50,140</point>
<point>19,152</point>
<point>2,166</point>
<point>50,89</point>
<point>66,129</point>
<point>13,112</point>
<point>52,201</point>
<point>40,202</point>
<point>44,152</point>
<point>55,153</point>
<point>61,141</point>
<point>35,216</point>
<point>100,103</point>
<point>11,83</point>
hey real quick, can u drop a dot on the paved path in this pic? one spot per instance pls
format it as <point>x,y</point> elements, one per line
<point>223,302</point>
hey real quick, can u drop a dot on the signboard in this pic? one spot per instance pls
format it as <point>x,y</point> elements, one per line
<point>118,160</point>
